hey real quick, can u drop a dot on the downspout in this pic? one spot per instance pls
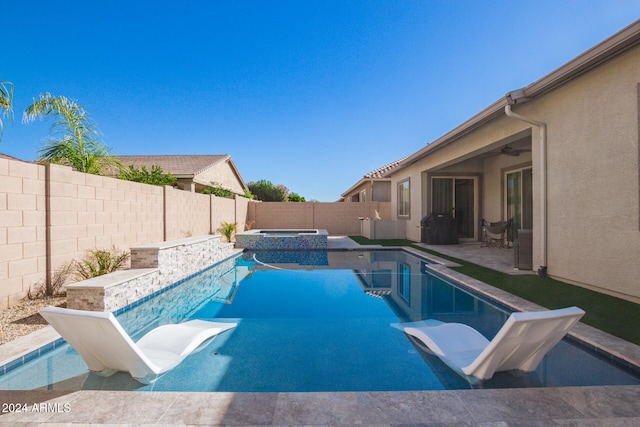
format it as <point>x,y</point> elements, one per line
<point>542,270</point>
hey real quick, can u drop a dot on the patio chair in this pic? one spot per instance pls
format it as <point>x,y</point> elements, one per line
<point>495,234</point>
<point>106,348</point>
<point>519,345</point>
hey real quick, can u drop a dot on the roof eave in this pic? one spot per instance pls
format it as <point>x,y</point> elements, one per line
<point>486,115</point>
<point>364,181</point>
<point>237,173</point>
<point>223,158</point>
<point>623,40</point>
<point>602,52</point>
<point>232,165</point>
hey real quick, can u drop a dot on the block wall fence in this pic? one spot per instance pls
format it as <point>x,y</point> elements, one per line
<point>337,218</point>
<point>51,214</point>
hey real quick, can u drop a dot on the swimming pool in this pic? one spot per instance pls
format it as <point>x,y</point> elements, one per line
<point>323,327</point>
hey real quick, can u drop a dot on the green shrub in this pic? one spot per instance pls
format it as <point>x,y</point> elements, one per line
<point>295,197</point>
<point>97,262</point>
<point>142,175</point>
<point>218,190</point>
<point>227,229</point>
<point>266,191</point>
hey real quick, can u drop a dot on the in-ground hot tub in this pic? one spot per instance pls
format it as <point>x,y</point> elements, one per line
<point>282,239</point>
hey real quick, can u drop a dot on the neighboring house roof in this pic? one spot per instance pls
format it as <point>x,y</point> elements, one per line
<point>597,55</point>
<point>380,172</point>
<point>178,165</point>
<point>183,166</point>
<point>376,174</point>
<point>8,157</point>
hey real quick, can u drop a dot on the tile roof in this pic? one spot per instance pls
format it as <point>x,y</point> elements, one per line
<point>175,164</point>
<point>380,172</point>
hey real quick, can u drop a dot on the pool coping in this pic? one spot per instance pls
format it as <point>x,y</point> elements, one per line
<point>358,408</point>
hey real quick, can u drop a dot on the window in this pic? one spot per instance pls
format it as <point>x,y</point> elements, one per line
<point>363,196</point>
<point>404,199</point>
<point>404,282</point>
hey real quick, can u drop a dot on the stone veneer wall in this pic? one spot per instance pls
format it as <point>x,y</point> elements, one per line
<point>153,268</point>
<point>178,303</point>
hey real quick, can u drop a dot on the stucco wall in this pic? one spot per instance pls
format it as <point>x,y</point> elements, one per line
<point>376,191</point>
<point>222,174</point>
<point>593,204</point>
<point>381,191</point>
<point>593,176</point>
<point>450,160</point>
<point>355,193</point>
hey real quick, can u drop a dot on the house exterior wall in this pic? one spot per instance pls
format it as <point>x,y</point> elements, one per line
<point>450,160</point>
<point>376,191</point>
<point>492,191</point>
<point>380,191</point>
<point>222,174</point>
<point>593,203</point>
<point>356,193</point>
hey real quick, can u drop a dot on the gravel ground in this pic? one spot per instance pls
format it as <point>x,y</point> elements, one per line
<point>23,318</point>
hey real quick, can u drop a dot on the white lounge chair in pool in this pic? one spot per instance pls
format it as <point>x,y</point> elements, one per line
<point>519,345</point>
<point>106,347</point>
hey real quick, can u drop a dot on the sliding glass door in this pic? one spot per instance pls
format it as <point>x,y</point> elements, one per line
<point>457,196</point>
<point>519,200</point>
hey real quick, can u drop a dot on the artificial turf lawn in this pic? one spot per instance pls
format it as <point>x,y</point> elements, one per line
<point>610,314</point>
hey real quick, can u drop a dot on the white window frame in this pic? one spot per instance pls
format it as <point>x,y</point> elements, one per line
<point>404,206</point>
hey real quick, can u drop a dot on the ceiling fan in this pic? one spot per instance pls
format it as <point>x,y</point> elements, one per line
<point>507,150</point>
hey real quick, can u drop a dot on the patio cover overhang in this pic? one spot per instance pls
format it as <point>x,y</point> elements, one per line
<point>508,105</point>
<point>602,52</point>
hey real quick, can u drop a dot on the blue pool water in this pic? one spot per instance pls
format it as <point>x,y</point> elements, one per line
<point>314,322</point>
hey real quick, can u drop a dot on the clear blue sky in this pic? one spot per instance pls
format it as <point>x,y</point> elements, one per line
<point>309,94</point>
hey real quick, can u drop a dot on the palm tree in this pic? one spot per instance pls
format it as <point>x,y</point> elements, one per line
<point>6,102</point>
<point>74,137</point>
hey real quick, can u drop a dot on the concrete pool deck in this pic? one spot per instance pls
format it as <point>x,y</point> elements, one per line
<point>576,406</point>
<point>571,406</point>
